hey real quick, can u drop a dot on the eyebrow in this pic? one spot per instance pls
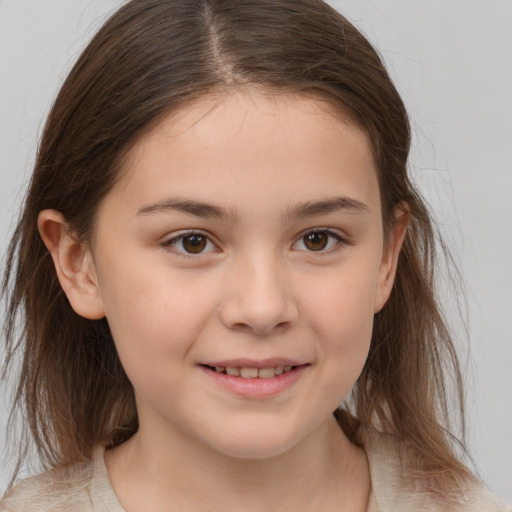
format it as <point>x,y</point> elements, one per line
<point>189,207</point>
<point>324,207</point>
<point>298,211</point>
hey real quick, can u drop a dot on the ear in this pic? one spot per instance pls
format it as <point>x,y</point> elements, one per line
<point>73,263</point>
<point>389,262</point>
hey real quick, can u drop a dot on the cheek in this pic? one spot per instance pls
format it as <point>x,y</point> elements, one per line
<point>342,319</point>
<point>153,317</point>
<point>343,303</point>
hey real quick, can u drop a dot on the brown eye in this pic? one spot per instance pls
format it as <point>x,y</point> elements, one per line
<point>194,244</point>
<point>190,244</point>
<point>320,241</point>
<point>316,241</point>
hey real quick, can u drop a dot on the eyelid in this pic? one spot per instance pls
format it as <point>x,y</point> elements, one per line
<point>342,240</point>
<point>170,242</point>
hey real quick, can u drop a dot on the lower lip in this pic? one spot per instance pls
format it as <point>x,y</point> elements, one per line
<point>257,387</point>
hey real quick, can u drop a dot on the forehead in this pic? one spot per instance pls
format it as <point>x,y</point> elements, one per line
<point>243,145</point>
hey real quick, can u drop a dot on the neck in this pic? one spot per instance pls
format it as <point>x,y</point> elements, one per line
<point>324,469</point>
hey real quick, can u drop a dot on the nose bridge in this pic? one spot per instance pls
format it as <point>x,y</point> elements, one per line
<point>259,296</point>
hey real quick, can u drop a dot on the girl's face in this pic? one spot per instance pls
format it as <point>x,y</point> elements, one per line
<point>239,261</point>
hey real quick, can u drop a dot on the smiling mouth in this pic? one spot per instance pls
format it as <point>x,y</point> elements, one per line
<point>251,372</point>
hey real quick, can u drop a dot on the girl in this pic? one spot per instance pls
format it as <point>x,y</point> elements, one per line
<point>219,246</point>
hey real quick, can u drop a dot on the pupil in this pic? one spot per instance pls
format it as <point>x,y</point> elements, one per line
<point>194,244</point>
<point>316,241</point>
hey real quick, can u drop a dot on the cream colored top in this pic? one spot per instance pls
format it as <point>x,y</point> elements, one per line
<point>86,488</point>
<point>78,488</point>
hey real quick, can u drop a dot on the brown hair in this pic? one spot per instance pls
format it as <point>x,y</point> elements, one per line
<point>153,56</point>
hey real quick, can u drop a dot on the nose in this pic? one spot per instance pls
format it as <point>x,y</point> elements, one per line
<point>259,298</point>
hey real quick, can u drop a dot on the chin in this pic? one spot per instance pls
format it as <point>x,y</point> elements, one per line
<point>254,445</point>
<point>256,451</point>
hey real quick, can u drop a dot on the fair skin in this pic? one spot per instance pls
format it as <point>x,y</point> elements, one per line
<point>286,266</point>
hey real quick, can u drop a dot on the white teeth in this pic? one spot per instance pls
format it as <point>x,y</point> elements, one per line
<point>249,373</point>
<point>266,373</point>
<point>252,373</point>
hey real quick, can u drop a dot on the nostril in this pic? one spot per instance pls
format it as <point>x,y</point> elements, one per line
<point>240,326</point>
<point>245,327</point>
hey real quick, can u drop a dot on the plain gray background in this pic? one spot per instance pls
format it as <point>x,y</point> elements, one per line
<point>451,61</point>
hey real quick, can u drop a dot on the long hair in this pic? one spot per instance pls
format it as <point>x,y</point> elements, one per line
<point>149,58</point>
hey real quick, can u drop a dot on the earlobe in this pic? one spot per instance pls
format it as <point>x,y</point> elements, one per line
<point>73,264</point>
<point>390,256</point>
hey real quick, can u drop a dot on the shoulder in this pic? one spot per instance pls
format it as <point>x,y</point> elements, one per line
<point>396,491</point>
<point>83,487</point>
<point>63,488</point>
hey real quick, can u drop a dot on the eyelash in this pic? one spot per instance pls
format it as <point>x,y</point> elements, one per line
<point>340,242</point>
<point>171,244</point>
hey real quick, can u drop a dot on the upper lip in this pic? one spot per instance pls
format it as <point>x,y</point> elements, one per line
<point>272,362</point>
